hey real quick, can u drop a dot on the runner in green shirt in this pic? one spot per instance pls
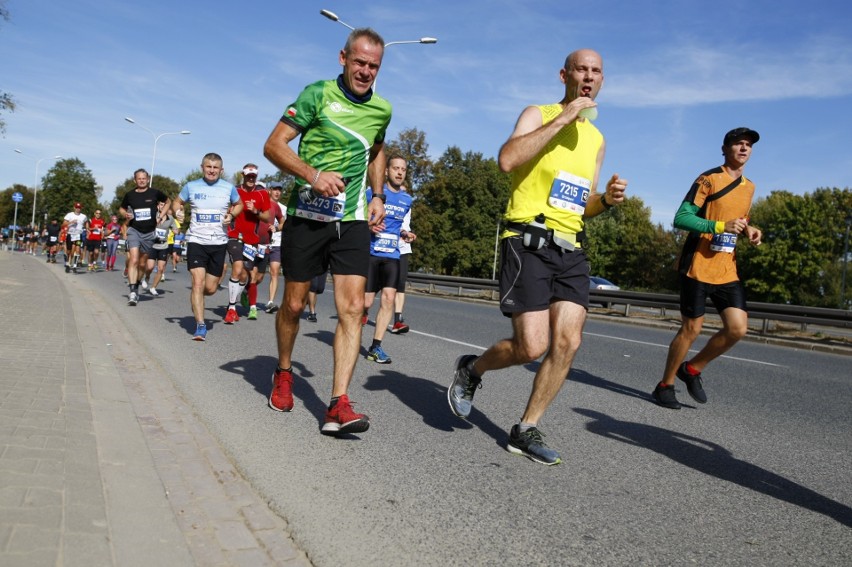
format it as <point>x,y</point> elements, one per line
<point>342,125</point>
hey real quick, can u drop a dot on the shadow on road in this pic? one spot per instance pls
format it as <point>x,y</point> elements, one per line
<point>583,377</point>
<point>430,401</point>
<point>712,459</point>
<point>258,371</point>
<point>186,323</point>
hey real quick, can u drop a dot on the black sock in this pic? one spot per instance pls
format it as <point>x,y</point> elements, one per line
<point>333,401</point>
<point>375,344</point>
<point>397,317</point>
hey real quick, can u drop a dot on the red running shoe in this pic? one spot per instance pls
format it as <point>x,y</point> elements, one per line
<point>231,317</point>
<point>364,320</point>
<point>281,397</point>
<point>399,328</point>
<point>341,419</point>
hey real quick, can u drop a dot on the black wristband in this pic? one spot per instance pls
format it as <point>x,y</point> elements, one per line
<point>606,205</point>
<point>381,196</point>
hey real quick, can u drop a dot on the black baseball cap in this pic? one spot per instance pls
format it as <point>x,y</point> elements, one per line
<point>739,133</point>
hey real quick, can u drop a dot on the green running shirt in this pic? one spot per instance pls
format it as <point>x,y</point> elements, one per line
<point>338,129</point>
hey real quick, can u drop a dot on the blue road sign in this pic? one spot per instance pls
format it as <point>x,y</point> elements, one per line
<point>17,197</point>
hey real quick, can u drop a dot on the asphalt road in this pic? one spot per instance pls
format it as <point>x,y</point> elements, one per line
<point>760,475</point>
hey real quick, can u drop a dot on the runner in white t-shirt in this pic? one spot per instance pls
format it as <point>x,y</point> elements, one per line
<point>213,204</point>
<point>75,222</point>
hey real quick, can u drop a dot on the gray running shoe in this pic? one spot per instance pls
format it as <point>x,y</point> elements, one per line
<point>460,393</point>
<point>531,445</point>
<point>133,298</point>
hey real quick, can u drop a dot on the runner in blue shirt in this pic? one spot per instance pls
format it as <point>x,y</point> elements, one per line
<point>384,254</point>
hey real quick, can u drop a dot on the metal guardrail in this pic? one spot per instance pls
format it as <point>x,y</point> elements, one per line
<point>766,311</point>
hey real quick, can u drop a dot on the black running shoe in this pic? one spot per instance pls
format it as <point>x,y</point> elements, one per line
<point>665,396</point>
<point>693,384</point>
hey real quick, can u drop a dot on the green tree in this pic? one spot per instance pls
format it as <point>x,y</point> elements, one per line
<point>67,182</point>
<point>799,260</point>
<point>456,213</point>
<point>7,103</point>
<point>7,206</point>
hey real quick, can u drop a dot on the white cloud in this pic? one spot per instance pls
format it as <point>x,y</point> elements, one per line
<point>688,74</point>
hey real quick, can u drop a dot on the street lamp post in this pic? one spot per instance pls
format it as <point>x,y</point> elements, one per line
<point>156,139</point>
<point>496,248</point>
<point>334,18</point>
<point>35,180</point>
<point>845,262</point>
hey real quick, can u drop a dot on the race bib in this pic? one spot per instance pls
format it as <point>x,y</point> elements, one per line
<point>386,242</point>
<point>319,208</point>
<point>161,233</point>
<point>249,251</point>
<point>74,237</point>
<point>724,242</point>
<point>206,218</point>
<point>276,239</point>
<point>569,192</point>
<point>53,239</point>
<point>96,231</point>
<point>142,214</point>
<point>261,251</point>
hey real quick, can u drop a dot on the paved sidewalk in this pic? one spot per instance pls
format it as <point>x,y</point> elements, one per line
<point>101,461</point>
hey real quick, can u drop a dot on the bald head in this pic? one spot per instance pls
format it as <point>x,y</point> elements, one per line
<point>582,74</point>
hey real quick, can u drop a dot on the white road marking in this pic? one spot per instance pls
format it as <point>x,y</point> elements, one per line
<point>691,350</point>
<point>449,340</point>
<point>445,339</point>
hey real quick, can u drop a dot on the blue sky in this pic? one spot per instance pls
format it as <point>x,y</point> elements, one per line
<point>678,75</point>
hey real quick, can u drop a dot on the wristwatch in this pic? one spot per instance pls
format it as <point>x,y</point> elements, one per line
<point>381,196</point>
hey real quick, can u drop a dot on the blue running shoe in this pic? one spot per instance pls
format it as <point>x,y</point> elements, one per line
<point>200,332</point>
<point>376,354</point>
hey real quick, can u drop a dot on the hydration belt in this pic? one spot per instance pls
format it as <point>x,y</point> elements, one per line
<point>563,241</point>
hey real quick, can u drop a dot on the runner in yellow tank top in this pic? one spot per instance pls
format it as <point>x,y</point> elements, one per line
<point>554,156</point>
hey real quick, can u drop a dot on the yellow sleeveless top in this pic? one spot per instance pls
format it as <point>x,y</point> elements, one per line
<point>556,182</point>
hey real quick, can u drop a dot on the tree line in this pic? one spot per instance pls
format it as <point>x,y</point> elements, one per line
<point>460,197</point>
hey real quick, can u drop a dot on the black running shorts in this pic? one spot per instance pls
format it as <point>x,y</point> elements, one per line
<point>694,295</point>
<point>309,248</point>
<point>384,272</point>
<point>211,257</point>
<point>532,280</point>
<point>403,273</point>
